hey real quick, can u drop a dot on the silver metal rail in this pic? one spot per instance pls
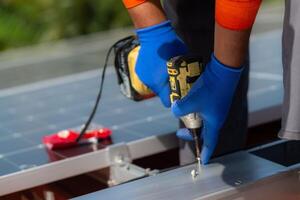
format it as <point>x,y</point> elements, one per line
<point>225,174</point>
<point>88,162</point>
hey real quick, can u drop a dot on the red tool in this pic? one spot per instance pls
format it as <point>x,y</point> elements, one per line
<point>68,138</point>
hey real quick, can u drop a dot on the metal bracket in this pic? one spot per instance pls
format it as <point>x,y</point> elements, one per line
<point>121,168</point>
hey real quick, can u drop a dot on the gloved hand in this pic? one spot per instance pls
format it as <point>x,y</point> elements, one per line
<point>211,97</point>
<point>159,43</point>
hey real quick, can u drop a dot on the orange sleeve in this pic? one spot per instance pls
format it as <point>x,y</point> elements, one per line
<point>132,3</point>
<point>236,14</point>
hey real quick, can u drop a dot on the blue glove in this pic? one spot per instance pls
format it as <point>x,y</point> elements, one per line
<point>211,96</point>
<point>159,43</point>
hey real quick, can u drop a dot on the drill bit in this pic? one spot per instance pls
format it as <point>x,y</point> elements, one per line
<point>194,123</point>
<point>197,150</point>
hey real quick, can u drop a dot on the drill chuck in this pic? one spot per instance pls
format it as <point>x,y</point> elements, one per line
<point>192,121</point>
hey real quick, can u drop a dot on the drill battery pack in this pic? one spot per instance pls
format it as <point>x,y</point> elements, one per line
<point>126,52</point>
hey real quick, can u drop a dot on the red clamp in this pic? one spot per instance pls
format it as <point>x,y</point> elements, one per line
<point>67,138</point>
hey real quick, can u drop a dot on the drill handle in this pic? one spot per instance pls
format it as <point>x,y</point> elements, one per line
<point>183,72</point>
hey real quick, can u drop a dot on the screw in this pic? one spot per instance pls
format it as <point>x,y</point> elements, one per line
<point>238,182</point>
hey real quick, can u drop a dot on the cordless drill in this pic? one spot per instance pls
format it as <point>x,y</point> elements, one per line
<point>183,72</point>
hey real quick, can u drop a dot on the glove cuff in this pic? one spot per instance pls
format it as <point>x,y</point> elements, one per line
<point>217,63</point>
<point>224,72</point>
<point>155,32</point>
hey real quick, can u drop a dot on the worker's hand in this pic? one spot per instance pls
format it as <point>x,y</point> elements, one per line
<point>211,96</point>
<point>159,43</point>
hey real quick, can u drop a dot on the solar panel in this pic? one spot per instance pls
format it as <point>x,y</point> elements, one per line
<point>48,110</point>
<point>32,111</point>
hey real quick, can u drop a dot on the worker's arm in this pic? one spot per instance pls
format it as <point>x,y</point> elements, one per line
<point>231,46</point>
<point>211,96</point>
<point>158,42</point>
<point>234,21</point>
<point>147,14</point>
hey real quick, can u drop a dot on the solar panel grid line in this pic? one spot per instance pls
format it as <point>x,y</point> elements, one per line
<point>132,128</point>
<point>37,105</point>
<point>70,104</point>
<point>23,125</point>
<point>68,79</point>
<point>42,129</point>
<point>62,94</point>
<point>126,135</point>
<point>135,122</point>
<point>5,155</point>
<point>31,158</point>
<point>21,117</point>
<point>3,129</point>
<point>168,122</point>
<point>9,162</point>
<point>21,145</point>
<point>25,133</point>
<point>40,116</point>
<point>66,105</point>
<point>27,140</point>
<point>72,108</point>
<point>50,126</point>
